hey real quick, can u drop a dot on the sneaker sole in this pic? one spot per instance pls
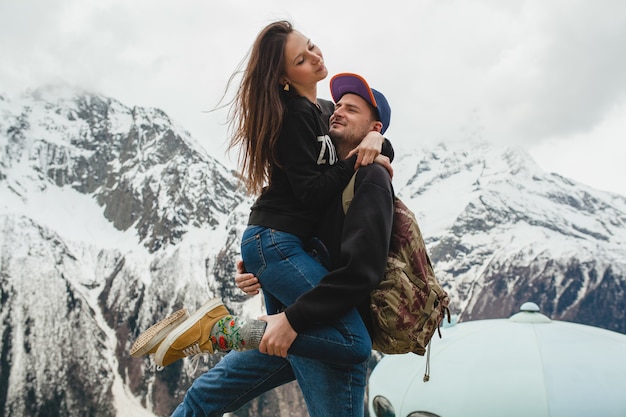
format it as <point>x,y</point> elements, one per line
<point>157,332</point>
<point>186,325</point>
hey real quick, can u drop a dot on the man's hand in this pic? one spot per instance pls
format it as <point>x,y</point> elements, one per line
<point>278,336</point>
<point>246,281</point>
<point>368,149</point>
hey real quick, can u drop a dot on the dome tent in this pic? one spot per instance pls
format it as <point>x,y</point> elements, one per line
<point>526,365</point>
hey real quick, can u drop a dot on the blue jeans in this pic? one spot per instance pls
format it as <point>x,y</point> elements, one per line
<point>329,390</point>
<point>286,271</point>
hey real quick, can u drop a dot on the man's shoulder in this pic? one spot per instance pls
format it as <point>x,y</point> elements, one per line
<point>372,171</point>
<point>327,106</point>
<point>374,174</point>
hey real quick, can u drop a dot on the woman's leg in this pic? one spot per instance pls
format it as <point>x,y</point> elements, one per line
<point>286,271</point>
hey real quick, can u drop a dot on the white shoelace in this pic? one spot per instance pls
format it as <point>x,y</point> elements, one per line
<point>196,355</point>
<point>193,350</point>
<point>191,366</point>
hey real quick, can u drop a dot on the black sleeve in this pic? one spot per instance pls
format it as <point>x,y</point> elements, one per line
<point>365,240</point>
<point>387,150</point>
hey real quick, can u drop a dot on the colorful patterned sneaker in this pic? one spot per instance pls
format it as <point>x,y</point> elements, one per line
<point>193,336</point>
<point>148,342</point>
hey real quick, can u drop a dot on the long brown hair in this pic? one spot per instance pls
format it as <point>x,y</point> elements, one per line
<point>256,113</point>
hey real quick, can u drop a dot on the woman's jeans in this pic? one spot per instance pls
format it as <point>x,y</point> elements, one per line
<point>286,271</point>
<point>329,390</point>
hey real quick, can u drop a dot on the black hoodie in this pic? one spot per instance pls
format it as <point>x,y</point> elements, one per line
<point>309,175</point>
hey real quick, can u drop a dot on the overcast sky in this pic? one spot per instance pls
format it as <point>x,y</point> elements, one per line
<point>549,75</point>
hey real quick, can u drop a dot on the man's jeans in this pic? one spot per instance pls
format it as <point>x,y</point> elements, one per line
<point>329,390</point>
<point>286,271</point>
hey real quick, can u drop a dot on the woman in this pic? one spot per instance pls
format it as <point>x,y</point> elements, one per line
<point>283,134</point>
<point>282,130</point>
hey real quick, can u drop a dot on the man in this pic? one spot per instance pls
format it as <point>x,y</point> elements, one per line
<point>358,244</point>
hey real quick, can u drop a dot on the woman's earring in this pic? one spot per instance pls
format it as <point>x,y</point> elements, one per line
<point>286,87</point>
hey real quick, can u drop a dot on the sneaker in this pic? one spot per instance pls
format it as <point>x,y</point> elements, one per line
<point>148,342</point>
<point>193,336</point>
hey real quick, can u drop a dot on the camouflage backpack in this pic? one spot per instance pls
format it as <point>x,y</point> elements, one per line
<point>409,304</point>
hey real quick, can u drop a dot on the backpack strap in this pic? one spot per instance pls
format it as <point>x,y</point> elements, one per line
<point>348,194</point>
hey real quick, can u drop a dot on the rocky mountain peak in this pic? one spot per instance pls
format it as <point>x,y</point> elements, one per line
<point>135,162</point>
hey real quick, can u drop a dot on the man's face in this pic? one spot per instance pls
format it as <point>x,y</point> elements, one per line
<point>352,120</point>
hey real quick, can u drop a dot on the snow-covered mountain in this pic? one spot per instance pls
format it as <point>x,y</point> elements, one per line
<point>112,217</point>
<point>501,232</point>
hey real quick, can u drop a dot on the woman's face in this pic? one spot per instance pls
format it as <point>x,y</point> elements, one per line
<point>304,63</point>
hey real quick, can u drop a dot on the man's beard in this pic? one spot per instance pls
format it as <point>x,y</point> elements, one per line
<point>344,142</point>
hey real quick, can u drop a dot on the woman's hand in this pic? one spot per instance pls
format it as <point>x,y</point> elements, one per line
<point>278,336</point>
<point>386,162</point>
<point>368,149</point>
<point>246,281</point>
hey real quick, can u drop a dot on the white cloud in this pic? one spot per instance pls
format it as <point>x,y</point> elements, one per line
<point>563,75</point>
<point>595,158</point>
<point>547,74</point>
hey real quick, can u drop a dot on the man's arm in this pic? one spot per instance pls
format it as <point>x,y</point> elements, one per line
<point>365,237</point>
